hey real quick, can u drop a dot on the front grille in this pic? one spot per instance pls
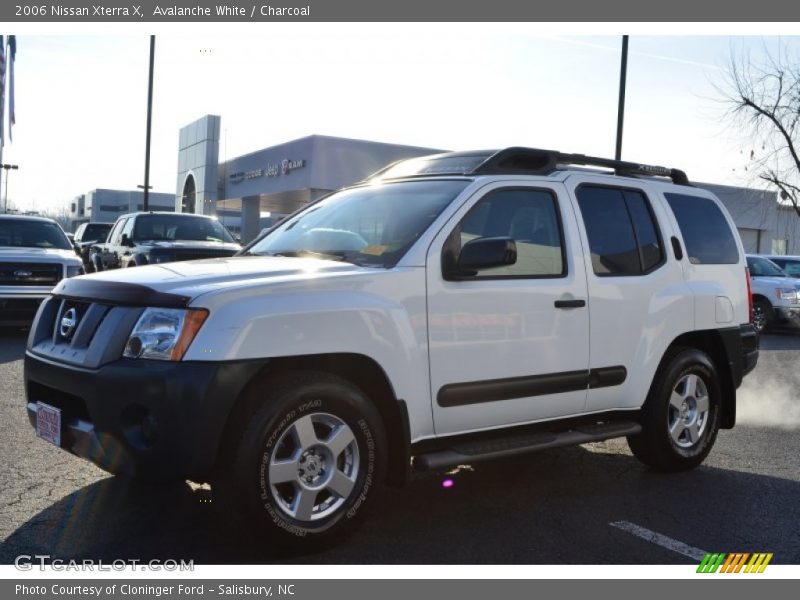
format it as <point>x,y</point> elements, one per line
<point>87,334</point>
<point>30,274</point>
<point>194,255</point>
<point>86,318</point>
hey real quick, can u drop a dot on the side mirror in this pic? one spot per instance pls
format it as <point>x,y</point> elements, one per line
<point>126,241</point>
<point>483,253</point>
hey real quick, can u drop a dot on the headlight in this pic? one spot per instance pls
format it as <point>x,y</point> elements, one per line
<point>159,258</point>
<point>164,333</point>
<point>788,294</point>
<point>73,270</point>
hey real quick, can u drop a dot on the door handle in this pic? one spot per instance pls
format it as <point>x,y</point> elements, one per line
<point>570,303</point>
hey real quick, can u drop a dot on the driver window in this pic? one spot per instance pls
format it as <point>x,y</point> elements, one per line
<point>529,217</point>
<point>116,233</point>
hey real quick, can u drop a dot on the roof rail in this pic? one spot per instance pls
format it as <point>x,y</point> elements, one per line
<point>518,160</point>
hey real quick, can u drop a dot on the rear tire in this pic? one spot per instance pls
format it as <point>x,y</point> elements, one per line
<point>681,416</point>
<point>305,464</point>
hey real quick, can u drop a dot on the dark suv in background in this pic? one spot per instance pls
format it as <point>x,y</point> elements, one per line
<point>160,237</point>
<point>86,236</point>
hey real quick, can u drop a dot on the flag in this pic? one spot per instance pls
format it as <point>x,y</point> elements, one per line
<point>2,87</point>
<point>12,55</point>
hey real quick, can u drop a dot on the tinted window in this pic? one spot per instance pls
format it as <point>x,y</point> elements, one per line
<point>706,234</point>
<point>172,227</point>
<point>644,227</point>
<point>530,218</point>
<point>792,267</point>
<point>95,231</point>
<point>21,233</point>
<point>623,239</point>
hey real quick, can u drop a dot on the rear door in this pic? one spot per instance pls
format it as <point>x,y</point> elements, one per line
<point>639,301</point>
<point>509,345</point>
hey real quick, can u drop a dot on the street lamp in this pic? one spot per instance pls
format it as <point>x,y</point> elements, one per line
<point>7,167</point>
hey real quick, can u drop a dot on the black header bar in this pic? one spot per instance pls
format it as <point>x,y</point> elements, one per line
<point>150,11</point>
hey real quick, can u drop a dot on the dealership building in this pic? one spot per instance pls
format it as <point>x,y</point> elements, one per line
<point>250,192</point>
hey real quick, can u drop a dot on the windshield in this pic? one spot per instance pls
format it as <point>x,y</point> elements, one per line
<point>761,267</point>
<point>186,228</point>
<point>18,233</point>
<point>372,225</point>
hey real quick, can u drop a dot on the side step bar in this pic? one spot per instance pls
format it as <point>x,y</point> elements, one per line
<point>512,445</point>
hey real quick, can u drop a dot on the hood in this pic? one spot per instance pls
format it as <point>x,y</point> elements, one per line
<point>785,282</point>
<point>176,284</point>
<point>45,255</point>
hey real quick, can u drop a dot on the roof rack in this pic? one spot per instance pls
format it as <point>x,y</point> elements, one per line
<point>516,160</point>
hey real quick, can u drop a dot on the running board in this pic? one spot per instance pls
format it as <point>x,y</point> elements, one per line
<point>511,445</point>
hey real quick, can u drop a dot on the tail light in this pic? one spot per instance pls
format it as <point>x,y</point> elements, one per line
<point>749,293</point>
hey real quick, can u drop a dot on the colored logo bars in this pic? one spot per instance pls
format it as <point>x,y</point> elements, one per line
<point>735,563</point>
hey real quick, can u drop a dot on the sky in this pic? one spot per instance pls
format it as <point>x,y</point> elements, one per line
<point>81,99</point>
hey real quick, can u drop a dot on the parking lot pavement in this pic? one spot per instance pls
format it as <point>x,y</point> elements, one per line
<point>556,506</point>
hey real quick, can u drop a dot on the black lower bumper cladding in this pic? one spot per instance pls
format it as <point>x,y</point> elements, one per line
<point>154,419</point>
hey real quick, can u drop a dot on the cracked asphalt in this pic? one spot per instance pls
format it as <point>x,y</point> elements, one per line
<point>551,507</point>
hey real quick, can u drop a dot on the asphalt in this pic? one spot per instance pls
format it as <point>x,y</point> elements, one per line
<point>553,507</point>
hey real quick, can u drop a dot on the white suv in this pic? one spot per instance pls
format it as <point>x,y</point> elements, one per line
<point>454,308</point>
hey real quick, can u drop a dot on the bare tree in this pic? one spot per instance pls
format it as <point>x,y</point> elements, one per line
<point>763,101</point>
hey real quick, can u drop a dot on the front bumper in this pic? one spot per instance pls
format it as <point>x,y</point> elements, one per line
<point>18,310</point>
<point>153,419</point>
<point>787,316</point>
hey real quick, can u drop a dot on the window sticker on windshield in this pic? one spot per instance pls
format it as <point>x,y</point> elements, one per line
<point>373,250</point>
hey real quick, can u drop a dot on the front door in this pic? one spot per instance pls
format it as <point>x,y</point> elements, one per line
<point>509,345</point>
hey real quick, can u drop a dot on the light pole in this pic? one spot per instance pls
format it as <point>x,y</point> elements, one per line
<point>149,124</point>
<point>7,168</point>
<point>145,206</point>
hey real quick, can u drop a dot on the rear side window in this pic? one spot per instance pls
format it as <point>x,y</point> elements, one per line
<point>706,234</point>
<point>623,237</point>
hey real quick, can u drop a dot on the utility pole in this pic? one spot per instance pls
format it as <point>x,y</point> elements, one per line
<point>623,74</point>
<point>149,124</point>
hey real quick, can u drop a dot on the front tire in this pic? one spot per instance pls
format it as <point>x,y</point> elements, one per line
<point>307,464</point>
<point>763,315</point>
<point>681,416</point>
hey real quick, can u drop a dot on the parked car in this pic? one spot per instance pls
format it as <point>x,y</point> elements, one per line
<point>158,237</point>
<point>87,235</point>
<point>455,308</point>
<point>35,255</point>
<point>776,301</point>
<point>789,264</point>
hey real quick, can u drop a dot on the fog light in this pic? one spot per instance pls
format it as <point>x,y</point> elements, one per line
<point>140,427</point>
